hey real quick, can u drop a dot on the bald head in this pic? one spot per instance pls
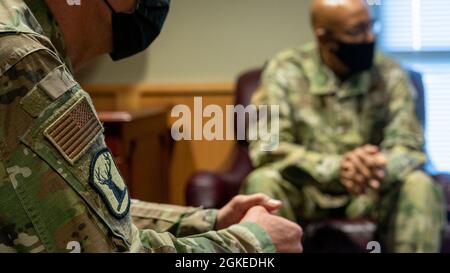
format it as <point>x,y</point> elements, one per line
<point>338,14</point>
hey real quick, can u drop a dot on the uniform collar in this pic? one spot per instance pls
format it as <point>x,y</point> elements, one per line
<point>323,81</point>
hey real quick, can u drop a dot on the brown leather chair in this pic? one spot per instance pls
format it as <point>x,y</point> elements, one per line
<point>214,189</point>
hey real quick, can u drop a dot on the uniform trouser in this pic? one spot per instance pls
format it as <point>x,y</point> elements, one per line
<point>410,214</point>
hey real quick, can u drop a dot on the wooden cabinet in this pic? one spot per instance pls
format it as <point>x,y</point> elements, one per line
<point>140,143</point>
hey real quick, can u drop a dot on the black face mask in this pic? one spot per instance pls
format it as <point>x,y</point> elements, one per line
<point>357,56</point>
<point>134,32</point>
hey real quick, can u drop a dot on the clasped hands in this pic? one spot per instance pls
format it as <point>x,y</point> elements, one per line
<point>261,210</point>
<point>362,169</point>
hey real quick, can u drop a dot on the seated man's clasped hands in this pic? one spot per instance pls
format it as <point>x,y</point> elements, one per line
<point>363,168</point>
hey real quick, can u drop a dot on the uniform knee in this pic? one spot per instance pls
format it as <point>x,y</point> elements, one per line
<point>420,186</point>
<point>419,180</point>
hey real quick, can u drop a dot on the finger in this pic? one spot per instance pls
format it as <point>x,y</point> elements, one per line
<point>351,186</point>
<point>255,211</point>
<point>275,212</point>
<point>348,183</point>
<point>346,156</point>
<point>348,166</point>
<point>354,177</point>
<point>360,179</point>
<point>371,149</point>
<point>247,201</point>
<point>380,160</point>
<point>359,165</point>
<point>379,174</point>
<point>348,175</point>
<point>300,248</point>
<point>273,205</point>
<point>366,158</point>
<point>374,184</point>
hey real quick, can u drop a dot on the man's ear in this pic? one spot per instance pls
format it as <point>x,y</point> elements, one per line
<point>320,31</point>
<point>321,35</point>
<point>324,37</point>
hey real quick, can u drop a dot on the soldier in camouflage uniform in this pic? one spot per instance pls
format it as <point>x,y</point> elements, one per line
<point>349,140</point>
<point>60,189</point>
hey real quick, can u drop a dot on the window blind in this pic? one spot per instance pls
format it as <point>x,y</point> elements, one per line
<point>418,31</point>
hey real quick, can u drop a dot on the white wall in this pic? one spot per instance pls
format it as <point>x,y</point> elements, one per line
<point>211,41</point>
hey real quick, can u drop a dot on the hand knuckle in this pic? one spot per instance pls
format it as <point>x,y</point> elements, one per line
<point>298,231</point>
<point>239,198</point>
<point>261,196</point>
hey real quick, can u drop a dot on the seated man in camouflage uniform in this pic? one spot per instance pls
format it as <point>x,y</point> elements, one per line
<point>349,140</point>
<point>60,189</point>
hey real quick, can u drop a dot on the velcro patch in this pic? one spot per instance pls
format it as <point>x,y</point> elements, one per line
<point>35,102</point>
<point>57,82</point>
<point>105,178</point>
<point>74,132</point>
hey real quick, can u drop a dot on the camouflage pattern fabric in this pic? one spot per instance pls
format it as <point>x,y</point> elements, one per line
<point>60,190</point>
<point>321,119</point>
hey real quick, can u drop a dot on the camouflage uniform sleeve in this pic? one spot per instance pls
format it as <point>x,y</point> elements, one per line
<point>403,136</point>
<point>245,237</point>
<point>161,224</point>
<point>280,82</point>
<point>180,221</point>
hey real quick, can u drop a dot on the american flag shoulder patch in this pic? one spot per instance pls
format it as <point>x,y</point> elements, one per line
<point>75,131</point>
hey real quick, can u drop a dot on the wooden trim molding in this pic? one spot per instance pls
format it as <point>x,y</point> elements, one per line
<point>168,89</point>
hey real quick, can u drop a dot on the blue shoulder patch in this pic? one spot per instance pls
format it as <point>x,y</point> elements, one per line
<point>105,178</point>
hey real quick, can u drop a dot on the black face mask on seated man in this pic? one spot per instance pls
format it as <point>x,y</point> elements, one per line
<point>357,56</point>
<point>134,32</point>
